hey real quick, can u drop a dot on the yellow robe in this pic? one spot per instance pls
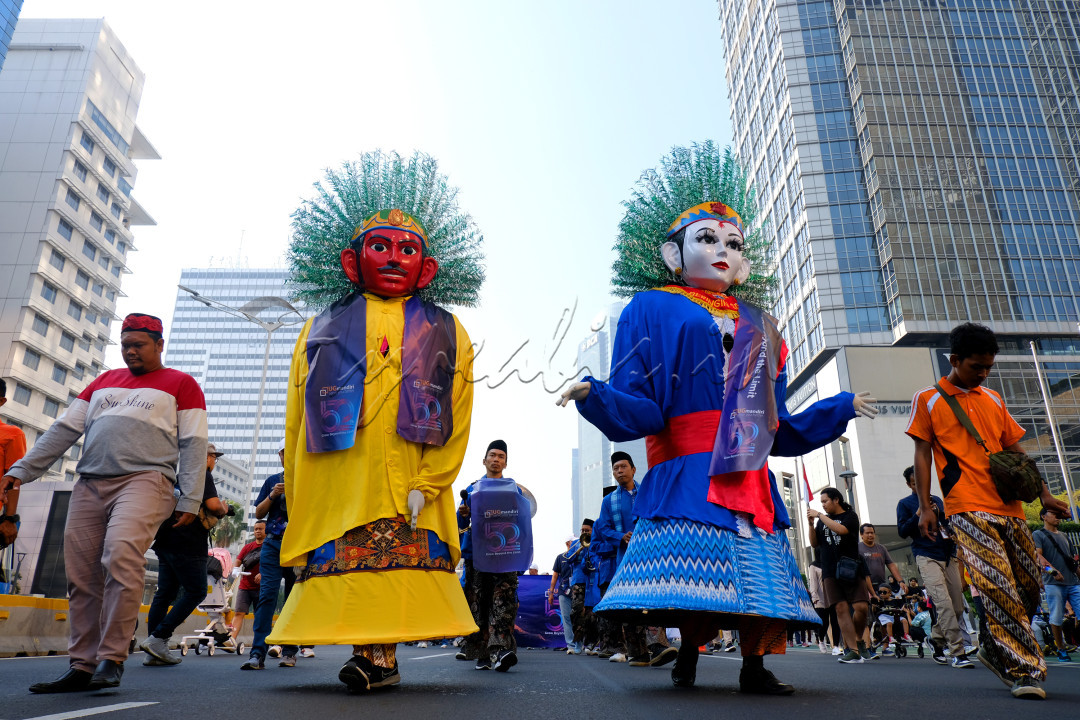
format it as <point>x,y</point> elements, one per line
<point>330,493</point>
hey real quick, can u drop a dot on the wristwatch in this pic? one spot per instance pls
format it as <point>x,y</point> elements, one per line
<point>9,518</point>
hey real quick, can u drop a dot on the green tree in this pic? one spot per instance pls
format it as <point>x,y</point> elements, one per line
<point>687,177</point>
<point>230,529</point>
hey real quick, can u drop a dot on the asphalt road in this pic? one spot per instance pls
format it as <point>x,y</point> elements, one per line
<point>545,684</point>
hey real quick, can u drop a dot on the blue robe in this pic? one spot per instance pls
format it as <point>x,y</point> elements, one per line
<point>686,554</point>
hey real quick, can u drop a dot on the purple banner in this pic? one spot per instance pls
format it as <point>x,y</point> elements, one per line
<point>501,526</point>
<point>537,624</point>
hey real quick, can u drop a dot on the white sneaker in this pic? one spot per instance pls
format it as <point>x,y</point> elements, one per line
<point>307,653</point>
<point>823,647</point>
<point>971,649</point>
<point>617,657</point>
<point>837,650</point>
<point>274,651</point>
<point>422,644</point>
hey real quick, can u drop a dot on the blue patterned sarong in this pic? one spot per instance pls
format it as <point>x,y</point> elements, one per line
<point>675,567</point>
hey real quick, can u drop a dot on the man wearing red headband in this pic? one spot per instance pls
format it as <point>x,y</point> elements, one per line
<point>145,429</point>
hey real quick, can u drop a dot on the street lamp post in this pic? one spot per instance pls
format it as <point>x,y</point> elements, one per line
<point>1053,431</point>
<point>286,315</point>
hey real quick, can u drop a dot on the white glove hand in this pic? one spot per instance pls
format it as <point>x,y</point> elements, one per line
<point>577,391</point>
<point>416,504</point>
<point>862,404</point>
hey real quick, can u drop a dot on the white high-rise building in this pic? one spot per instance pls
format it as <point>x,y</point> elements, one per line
<point>225,353</point>
<point>69,96</point>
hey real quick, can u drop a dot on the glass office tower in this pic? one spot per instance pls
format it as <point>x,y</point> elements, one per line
<point>917,164</point>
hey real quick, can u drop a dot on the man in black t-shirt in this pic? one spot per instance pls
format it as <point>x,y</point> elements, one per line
<point>182,553</point>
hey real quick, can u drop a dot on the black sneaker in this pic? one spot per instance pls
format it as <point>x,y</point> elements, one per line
<point>939,655</point>
<point>383,677</point>
<point>640,661</point>
<point>762,682</point>
<point>663,656</point>
<point>461,655</point>
<point>504,660</point>
<point>356,674</point>
<point>483,662</point>
<point>684,674</point>
<point>1028,688</point>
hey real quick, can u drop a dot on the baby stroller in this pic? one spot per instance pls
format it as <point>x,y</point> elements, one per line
<point>216,634</point>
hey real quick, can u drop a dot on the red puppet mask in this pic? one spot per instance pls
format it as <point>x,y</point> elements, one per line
<point>388,260</point>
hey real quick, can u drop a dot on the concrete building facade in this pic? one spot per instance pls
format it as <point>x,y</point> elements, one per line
<point>69,97</point>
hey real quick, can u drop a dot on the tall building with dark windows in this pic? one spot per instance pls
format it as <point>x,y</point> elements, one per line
<point>225,353</point>
<point>918,166</point>
<point>9,15</point>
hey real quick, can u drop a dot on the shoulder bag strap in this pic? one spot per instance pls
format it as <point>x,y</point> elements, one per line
<point>962,416</point>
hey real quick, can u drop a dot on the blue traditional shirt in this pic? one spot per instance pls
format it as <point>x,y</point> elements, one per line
<point>668,361</point>
<point>615,520</point>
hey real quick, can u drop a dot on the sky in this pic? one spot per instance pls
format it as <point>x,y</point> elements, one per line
<point>543,114</point>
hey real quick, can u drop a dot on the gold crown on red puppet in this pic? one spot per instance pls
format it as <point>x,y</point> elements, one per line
<point>393,219</point>
<point>705,211</point>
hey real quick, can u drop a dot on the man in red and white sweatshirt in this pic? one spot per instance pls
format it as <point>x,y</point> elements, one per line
<point>145,429</point>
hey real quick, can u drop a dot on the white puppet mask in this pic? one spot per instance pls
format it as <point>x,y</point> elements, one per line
<point>712,256</point>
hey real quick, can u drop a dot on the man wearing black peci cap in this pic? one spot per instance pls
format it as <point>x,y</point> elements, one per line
<point>492,596</point>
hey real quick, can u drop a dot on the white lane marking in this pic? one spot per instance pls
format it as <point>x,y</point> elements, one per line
<point>92,711</point>
<point>722,657</point>
<point>426,657</point>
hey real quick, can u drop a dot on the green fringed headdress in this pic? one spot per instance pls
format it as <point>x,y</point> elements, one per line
<point>322,226</point>
<point>686,177</point>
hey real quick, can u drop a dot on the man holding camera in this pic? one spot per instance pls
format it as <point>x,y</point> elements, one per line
<point>1057,558</point>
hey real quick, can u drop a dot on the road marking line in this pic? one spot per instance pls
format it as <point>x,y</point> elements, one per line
<point>426,657</point>
<point>92,711</point>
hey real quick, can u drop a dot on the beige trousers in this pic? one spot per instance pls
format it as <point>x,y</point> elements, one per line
<point>111,523</point>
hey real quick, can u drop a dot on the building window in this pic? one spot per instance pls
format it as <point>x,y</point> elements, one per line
<point>67,342</point>
<point>89,250</point>
<point>82,279</point>
<point>96,221</point>
<point>98,289</point>
<point>116,270</point>
<point>103,261</point>
<point>84,343</point>
<point>109,166</point>
<point>116,210</point>
<point>76,451</point>
<point>51,408</point>
<point>91,316</point>
<point>48,292</point>
<point>57,260</point>
<point>80,171</point>
<point>41,325</point>
<point>87,143</point>
<point>75,310</point>
<point>110,235</point>
<point>72,199</point>
<point>59,374</point>
<point>31,359</point>
<point>79,370</point>
<point>105,320</point>
<point>103,193</point>
<point>22,395</point>
<point>111,294</point>
<point>69,477</point>
<point>122,247</point>
<point>64,228</point>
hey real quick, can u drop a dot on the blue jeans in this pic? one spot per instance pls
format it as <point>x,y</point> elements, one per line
<point>270,569</point>
<point>1056,595</point>
<point>567,624</point>
<point>182,582</point>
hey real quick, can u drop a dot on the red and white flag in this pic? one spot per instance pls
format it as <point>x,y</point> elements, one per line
<point>806,480</point>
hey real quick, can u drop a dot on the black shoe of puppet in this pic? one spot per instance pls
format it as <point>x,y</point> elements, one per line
<point>356,674</point>
<point>106,675</point>
<point>754,679</point>
<point>71,681</point>
<point>684,674</point>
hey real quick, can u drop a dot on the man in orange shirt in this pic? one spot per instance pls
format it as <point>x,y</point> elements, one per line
<point>12,448</point>
<point>999,552</point>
